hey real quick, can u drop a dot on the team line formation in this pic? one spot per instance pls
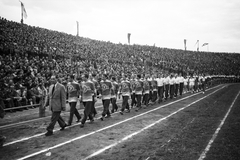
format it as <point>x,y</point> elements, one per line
<point>143,90</point>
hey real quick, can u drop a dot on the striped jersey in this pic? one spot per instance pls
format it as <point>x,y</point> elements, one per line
<point>114,89</point>
<point>96,85</point>
<point>132,83</point>
<point>73,89</point>
<point>146,87</point>
<point>105,87</point>
<point>125,88</point>
<point>138,87</point>
<point>154,84</point>
<point>87,89</point>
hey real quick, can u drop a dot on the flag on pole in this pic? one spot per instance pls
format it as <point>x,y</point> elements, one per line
<point>24,12</point>
<point>185,44</point>
<point>197,45</point>
<point>128,36</point>
<point>204,44</point>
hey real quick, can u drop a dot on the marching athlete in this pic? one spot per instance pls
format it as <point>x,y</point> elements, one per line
<point>105,92</point>
<point>87,90</point>
<point>138,91</point>
<point>114,92</point>
<point>125,90</point>
<point>73,90</point>
<point>154,89</point>
<point>160,82</point>
<point>146,90</point>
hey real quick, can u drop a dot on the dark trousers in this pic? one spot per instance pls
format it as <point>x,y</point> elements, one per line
<point>171,91</point>
<point>146,99</point>
<point>125,104</point>
<point>167,86</point>
<point>114,104</point>
<point>160,93</point>
<point>73,111</point>
<point>203,86</point>
<point>134,102</point>
<point>181,88</point>
<point>93,110</point>
<point>87,111</point>
<point>56,117</point>
<point>150,96</point>
<point>176,89</point>
<point>106,103</point>
<point>139,99</point>
<point>154,96</point>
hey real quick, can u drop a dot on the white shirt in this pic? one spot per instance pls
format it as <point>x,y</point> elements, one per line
<point>159,82</point>
<point>166,80</point>
<point>177,80</point>
<point>172,81</point>
<point>181,79</point>
<point>185,81</point>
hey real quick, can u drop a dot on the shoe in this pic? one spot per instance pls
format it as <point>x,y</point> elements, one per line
<point>127,111</point>
<point>69,124</point>
<point>81,125</point>
<point>101,118</point>
<point>78,120</point>
<point>62,128</point>
<point>121,112</point>
<point>108,116</point>
<point>91,121</point>
<point>49,133</point>
<point>112,111</point>
<point>136,110</point>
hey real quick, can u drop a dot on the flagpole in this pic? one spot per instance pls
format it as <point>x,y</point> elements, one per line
<point>198,46</point>
<point>21,12</point>
<point>77,28</point>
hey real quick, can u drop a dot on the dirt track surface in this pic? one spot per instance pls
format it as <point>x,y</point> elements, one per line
<point>177,129</point>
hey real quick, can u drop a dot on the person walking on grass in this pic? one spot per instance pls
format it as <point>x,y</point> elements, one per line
<point>57,103</point>
<point>105,94</point>
<point>114,95</point>
<point>138,91</point>
<point>125,90</point>
<point>73,90</point>
<point>87,89</point>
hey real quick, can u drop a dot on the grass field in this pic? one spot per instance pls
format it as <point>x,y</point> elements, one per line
<point>193,126</point>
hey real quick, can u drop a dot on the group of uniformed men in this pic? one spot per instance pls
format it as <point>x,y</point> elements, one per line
<point>142,90</point>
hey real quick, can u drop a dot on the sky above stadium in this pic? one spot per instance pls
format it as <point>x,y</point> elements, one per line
<point>165,23</point>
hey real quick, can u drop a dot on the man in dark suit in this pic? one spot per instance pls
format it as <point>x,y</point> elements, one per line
<point>57,103</point>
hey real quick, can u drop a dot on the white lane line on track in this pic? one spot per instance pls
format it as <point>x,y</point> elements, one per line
<point>41,134</point>
<point>145,128</point>
<point>36,119</point>
<point>113,125</point>
<point>203,155</point>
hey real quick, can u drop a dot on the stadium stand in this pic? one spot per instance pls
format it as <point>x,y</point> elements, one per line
<point>30,55</point>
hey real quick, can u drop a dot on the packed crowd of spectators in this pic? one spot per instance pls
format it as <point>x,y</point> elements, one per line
<point>30,55</point>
